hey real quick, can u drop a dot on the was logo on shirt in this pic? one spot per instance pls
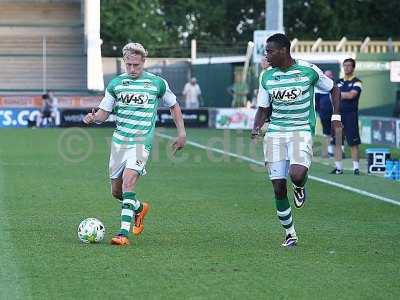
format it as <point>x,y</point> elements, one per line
<point>134,98</point>
<point>285,94</point>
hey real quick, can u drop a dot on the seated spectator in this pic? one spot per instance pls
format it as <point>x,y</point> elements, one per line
<point>49,113</point>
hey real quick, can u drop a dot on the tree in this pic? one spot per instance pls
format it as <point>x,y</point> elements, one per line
<point>376,19</point>
<point>308,20</point>
<point>166,27</point>
<point>219,21</point>
<point>215,24</point>
<point>333,19</point>
<point>124,21</point>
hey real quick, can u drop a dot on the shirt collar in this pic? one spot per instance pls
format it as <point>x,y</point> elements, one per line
<point>348,78</point>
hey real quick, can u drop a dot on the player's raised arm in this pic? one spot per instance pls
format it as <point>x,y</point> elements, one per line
<point>324,83</point>
<point>264,109</point>
<point>94,116</point>
<point>104,110</point>
<point>176,113</point>
<point>169,99</point>
<point>262,114</point>
<point>335,96</point>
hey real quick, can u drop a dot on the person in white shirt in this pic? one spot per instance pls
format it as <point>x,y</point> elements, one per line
<point>55,112</point>
<point>192,94</point>
<point>49,113</point>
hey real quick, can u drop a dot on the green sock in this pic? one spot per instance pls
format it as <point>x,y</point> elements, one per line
<point>129,205</point>
<point>284,213</point>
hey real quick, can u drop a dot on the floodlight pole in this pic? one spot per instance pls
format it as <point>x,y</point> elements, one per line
<point>44,64</point>
<point>193,50</point>
<point>274,15</point>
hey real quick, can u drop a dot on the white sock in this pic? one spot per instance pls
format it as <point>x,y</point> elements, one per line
<point>290,231</point>
<point>338,165</point>
<point>343,148</point>
<point>356,165</point>
<point>330,149</point>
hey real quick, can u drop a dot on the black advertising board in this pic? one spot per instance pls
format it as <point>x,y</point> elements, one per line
<point>73,118</point>
<point>191,117</point>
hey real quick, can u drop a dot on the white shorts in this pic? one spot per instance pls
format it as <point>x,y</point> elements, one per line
<point>134,158</point>
<point>282,149</point>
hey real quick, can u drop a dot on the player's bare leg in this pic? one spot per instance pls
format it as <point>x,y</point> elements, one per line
<point>284,212</point>
<point>130,205</point>
<point>326,147</point>
<point>355,155</point>
<point>338,152</point>
<point>298,175</point>
<point>130,178</point>
<point>116,188</point>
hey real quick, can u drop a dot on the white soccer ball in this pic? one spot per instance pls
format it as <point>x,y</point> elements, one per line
<point>91,230</point>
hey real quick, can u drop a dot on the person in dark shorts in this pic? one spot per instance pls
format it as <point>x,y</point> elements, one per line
<point>350,88</point>
<point>324,108</point>
<point>44,118</point>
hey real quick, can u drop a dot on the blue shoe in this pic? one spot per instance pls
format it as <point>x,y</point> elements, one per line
<point>357,172</point>
<point>290,240</point>
<point>299,196</point>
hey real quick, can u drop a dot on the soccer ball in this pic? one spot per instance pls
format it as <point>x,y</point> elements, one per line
<point>91,230</point>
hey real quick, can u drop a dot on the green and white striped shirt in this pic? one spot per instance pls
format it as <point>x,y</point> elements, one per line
<point>135,102</point>
<point>291,94</point>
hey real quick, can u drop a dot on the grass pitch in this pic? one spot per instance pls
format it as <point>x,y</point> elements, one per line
<point>211,233</point>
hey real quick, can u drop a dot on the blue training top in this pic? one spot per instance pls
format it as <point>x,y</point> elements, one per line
<point>350,105</point>
<point>323,104</point>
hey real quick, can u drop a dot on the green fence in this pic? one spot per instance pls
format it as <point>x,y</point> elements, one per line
<point>378,97</point>
<point>214,80</point>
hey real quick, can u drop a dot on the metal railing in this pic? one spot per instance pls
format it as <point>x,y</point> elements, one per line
<point>46,63</point>
<point>344,45</point>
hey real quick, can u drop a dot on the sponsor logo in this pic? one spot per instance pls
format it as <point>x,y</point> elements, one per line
<point>74,117</point>
<point>139,163</point>
<point>134,98</point>
<point>192,117</point>
<point>286,94</point>
<point>17,117</point>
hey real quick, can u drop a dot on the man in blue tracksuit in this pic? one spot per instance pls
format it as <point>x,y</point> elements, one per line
<point>324,108</point>
<point>350,88</point>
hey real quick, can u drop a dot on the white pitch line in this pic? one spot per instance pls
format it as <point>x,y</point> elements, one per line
<point>257,162</point>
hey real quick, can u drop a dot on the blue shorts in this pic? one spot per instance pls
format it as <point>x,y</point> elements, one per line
<point>351,131</point>
<point>326,124</point>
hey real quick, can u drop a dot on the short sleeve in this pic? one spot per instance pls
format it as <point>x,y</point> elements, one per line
<point>323,83</point>
<point>262,96</point>
<point>108,102</point>
<point>168,97</point>
<point>357,86</point>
